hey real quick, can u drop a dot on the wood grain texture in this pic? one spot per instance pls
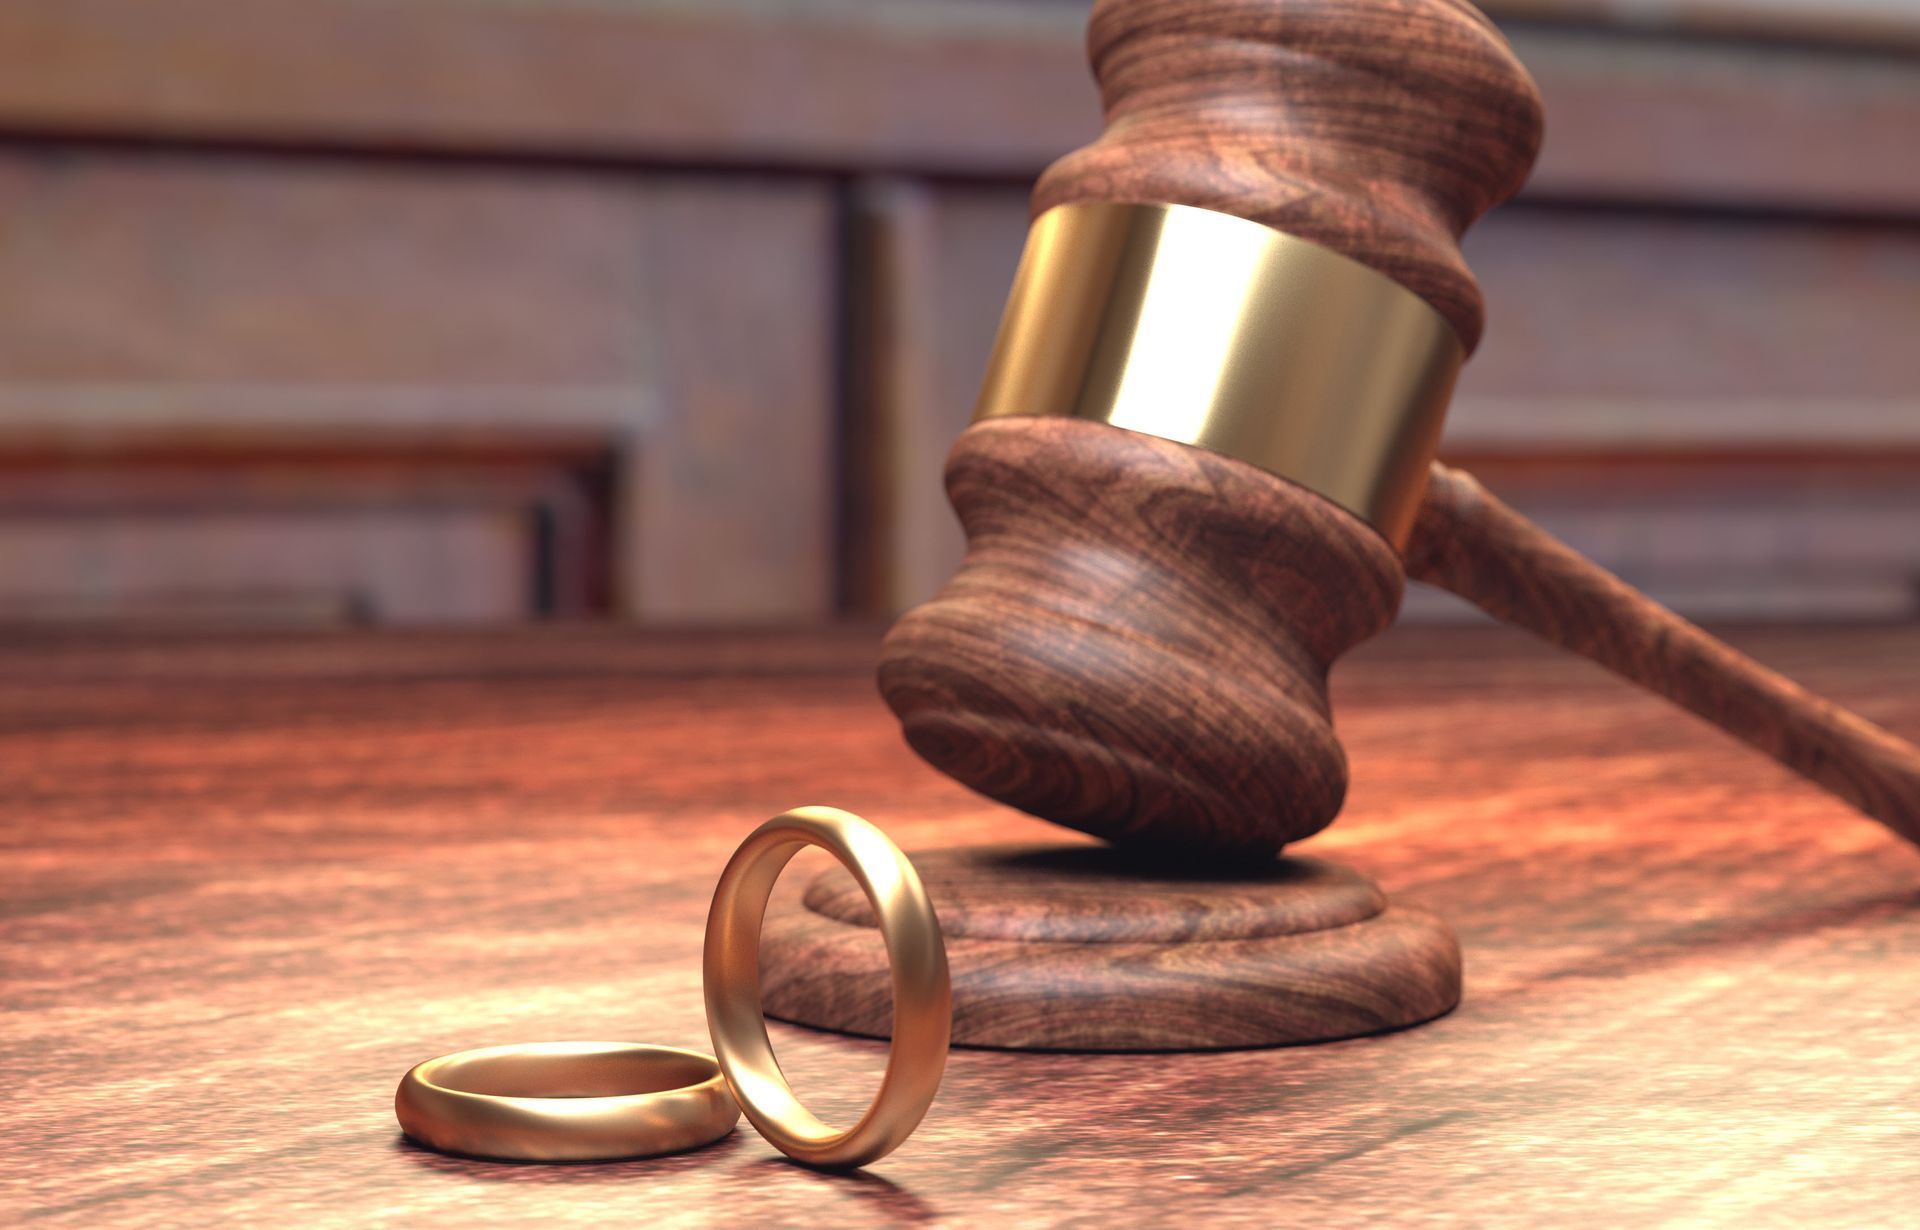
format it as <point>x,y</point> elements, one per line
<point>1090,894</point>
<point>1137,644</point>
<point>245,883</point>
<point>1379,128</point>
<point>1467,541</point>
<point>1078,948</point>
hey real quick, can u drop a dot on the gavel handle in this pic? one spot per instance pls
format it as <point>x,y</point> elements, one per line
<point>1467,541</point>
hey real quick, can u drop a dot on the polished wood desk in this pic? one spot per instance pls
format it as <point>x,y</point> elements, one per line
<point>247,882</point>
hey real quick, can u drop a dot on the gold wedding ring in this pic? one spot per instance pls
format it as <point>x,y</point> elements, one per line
<point>566,1102</point>
<point>596,1101</point>
<point>922,994</point>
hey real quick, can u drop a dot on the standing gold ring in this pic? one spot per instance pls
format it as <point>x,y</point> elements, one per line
<point>566,1102</point>
<point>922,993</point>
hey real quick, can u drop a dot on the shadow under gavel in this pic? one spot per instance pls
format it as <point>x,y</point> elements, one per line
<point>1201,471</point>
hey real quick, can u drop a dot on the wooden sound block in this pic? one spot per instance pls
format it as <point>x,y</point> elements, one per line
<point>1091,948</point>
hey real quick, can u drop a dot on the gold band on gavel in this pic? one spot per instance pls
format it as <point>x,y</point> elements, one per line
<point>1211,330</point>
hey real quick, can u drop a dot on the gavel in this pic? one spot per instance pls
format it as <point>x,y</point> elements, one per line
<point>1201,470</point>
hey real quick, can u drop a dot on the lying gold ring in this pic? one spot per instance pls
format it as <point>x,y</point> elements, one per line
<point>566,1101</point>
<point>922,995</point>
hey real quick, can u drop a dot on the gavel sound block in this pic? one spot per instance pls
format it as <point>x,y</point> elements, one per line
<point>1200,472</point>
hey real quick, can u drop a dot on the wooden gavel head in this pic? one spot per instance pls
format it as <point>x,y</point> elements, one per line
<point>1162,567</point>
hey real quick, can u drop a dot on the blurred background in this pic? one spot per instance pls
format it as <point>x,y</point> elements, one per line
<point>411,312</point>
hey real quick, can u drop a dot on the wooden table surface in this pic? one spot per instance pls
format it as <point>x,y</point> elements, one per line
<point>247,882</point>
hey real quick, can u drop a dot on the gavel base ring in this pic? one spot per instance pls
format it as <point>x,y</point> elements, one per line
<point>1089,948</point>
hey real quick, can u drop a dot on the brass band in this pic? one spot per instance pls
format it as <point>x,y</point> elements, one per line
<point>922,995</point>
<point>566,1102</point>
<point>1211,330</point>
